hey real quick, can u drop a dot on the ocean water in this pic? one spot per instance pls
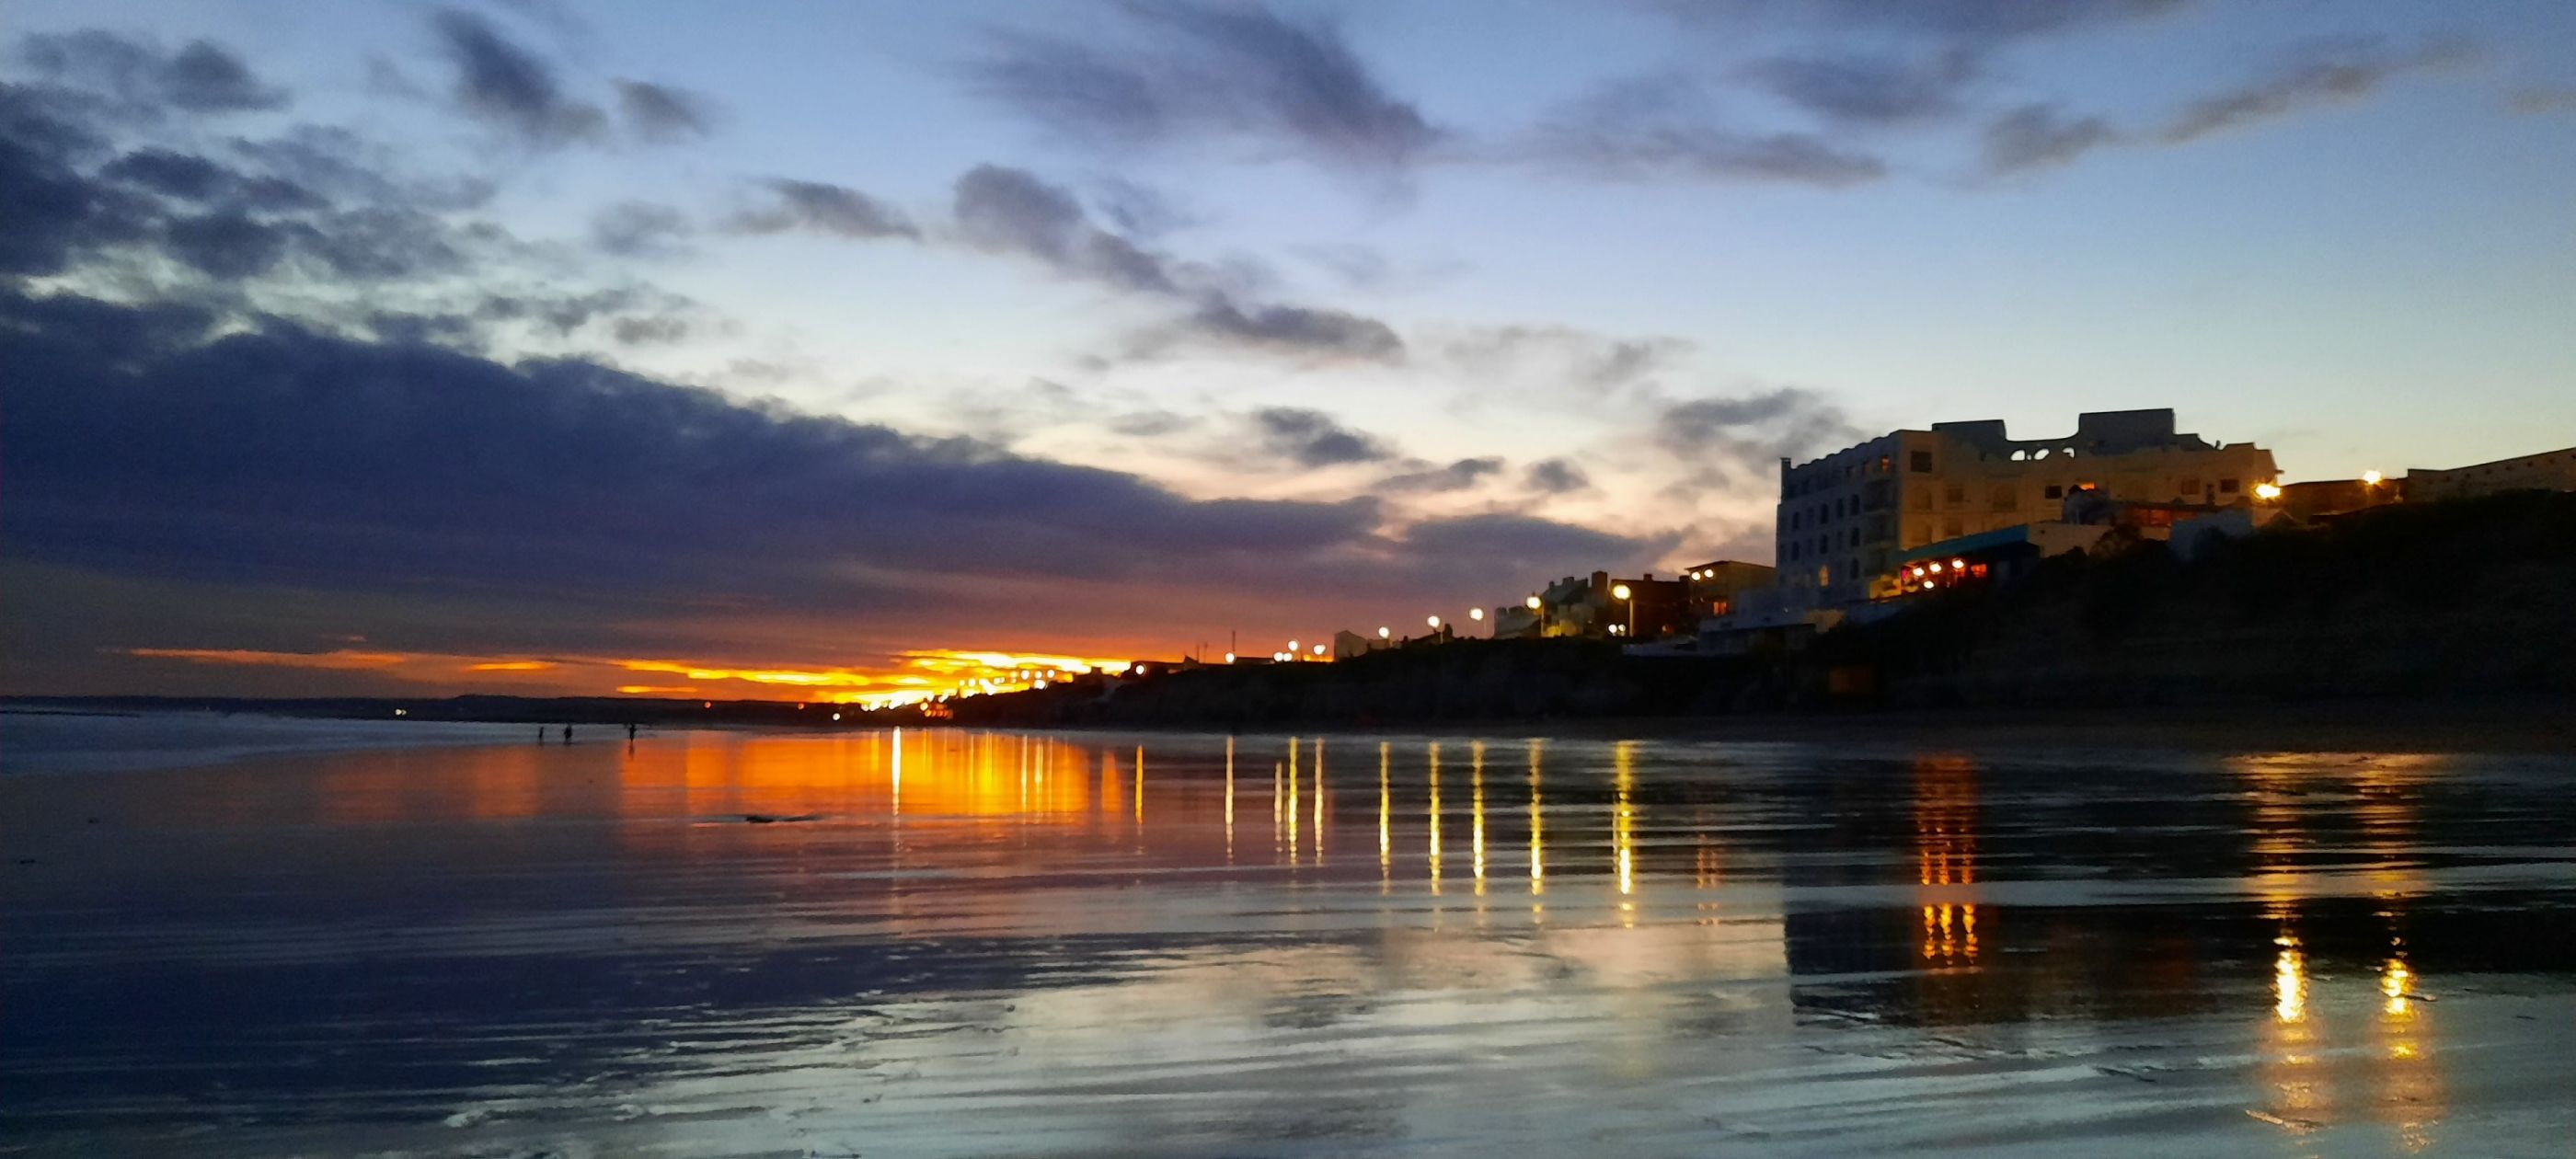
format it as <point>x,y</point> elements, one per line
<point>315,939</point>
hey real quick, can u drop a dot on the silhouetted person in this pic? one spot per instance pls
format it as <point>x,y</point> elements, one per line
<point>630,734</point>
<point>567,734</point>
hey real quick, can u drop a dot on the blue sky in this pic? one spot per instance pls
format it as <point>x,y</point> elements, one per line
<point>1489,269</point>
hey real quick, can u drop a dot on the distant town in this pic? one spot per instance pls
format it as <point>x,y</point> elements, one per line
<point>1864,532</point>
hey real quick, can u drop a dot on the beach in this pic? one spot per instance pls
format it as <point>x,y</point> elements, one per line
<point>999,943</point>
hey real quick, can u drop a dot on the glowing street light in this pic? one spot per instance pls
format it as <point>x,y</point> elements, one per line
<point>2267,491</point>
<point>1229,657</point>
<point>1319,649</point>
<point>1434,621</point>
<point>2370,478</point>
<point>1620,593</point>
<point>1477,614</point>
<point>1383,633</point>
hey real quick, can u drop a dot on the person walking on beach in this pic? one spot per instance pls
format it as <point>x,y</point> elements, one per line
<point>567,734</point>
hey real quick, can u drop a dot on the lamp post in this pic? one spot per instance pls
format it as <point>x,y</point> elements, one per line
<point>1621,593</point>
<point>1538,617</point>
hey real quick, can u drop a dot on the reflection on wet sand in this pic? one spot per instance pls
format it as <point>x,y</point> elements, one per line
<point>739,943</point>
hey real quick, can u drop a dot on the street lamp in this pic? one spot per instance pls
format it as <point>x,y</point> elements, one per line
<point>1434,621</point>
<point>1620,593</point>
<point>2267,491</point>
<point>1383,633</point>
<point>1538,617</point>
<point>1476,614</point>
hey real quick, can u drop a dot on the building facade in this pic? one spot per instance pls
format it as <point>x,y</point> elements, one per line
<point>1845,519</point>
<point>2547,471</point>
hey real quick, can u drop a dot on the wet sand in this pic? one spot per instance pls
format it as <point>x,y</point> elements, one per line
<point>1090,944</point>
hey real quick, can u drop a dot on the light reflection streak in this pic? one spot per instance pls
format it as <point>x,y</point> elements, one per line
<point>1229,800</point>
<point>1476,812</point>
<point>1293,799</point>
<point>1319,800</point>
<point>1538,828</point>
<point>1434,812</point>
<point>1385,817</point>
<point>1623,826</point>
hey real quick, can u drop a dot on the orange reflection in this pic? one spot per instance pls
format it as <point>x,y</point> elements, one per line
<point>1945,852</point>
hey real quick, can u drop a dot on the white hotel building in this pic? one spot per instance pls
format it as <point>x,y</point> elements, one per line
<point>1844,519</point>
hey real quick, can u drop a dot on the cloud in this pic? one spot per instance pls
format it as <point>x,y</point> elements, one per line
<point>663,113</point>
<point>2319,73</point>
<point>817,207</point>
<point>1556,477</point>
<point>2042,136</point>
<point>1976,24</point>
<point>1869,90</point>
<point>1524,545</point>
<point>2539,100</point>
<point>1208,72</point>
<point>284,452</point>
<point>1004,210</point>
<point>1295,331</point>
<point>1731,438</point>
<point>1564,355</point>
<point>1457,476</point>
<point>640,229</point>
<point>1311,438</point>
<point>201,77</point>
<point>505,85</point>
<point>1661,129</point>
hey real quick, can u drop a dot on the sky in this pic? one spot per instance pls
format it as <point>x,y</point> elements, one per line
<point>851,351</point>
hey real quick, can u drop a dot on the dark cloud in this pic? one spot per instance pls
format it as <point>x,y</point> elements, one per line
<point>1744,431</point>
<point>1211,72</point>
<point>2042,136</point>
<point>1296,331</point>
<point>664,113</point>
<point>1311,438</point>
<point>1556,477</point>
<point>51,212</point>
<point>280,452</point>
<point>142,79</point>
<point>1565,354</point>
<point>2320,73</point>
<point>1661,129</point>
<point>1525,545</point>
<point>1869,90</point>
<point>1968,23</point>
<point>1457,476</point>
<point>511,88</point>
<point>225,245</point>
<point>816,207</point>
<point>640,229</point>
<point>1007,210</point>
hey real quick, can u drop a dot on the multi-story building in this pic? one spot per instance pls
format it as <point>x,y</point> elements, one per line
<point>1846,518</point>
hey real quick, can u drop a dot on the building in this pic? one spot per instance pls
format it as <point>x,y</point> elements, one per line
<point>1594,606</point>
<point>2547,471</point>
<point>1845,519</point>
<point>1715,587</point>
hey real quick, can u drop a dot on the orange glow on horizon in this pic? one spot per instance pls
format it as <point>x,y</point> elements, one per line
<point>902,678</point>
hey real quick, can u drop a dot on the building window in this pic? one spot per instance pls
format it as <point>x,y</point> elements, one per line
<point>2227,486</point>
<point>1884,466</point>
<point>1920,499</point>
<point>1855,537</point>
<point>2056,491</point>
<point>2002,497</point>
<point>2188,487</point>
<point>1954,494</point>
<point>1920,462</point>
